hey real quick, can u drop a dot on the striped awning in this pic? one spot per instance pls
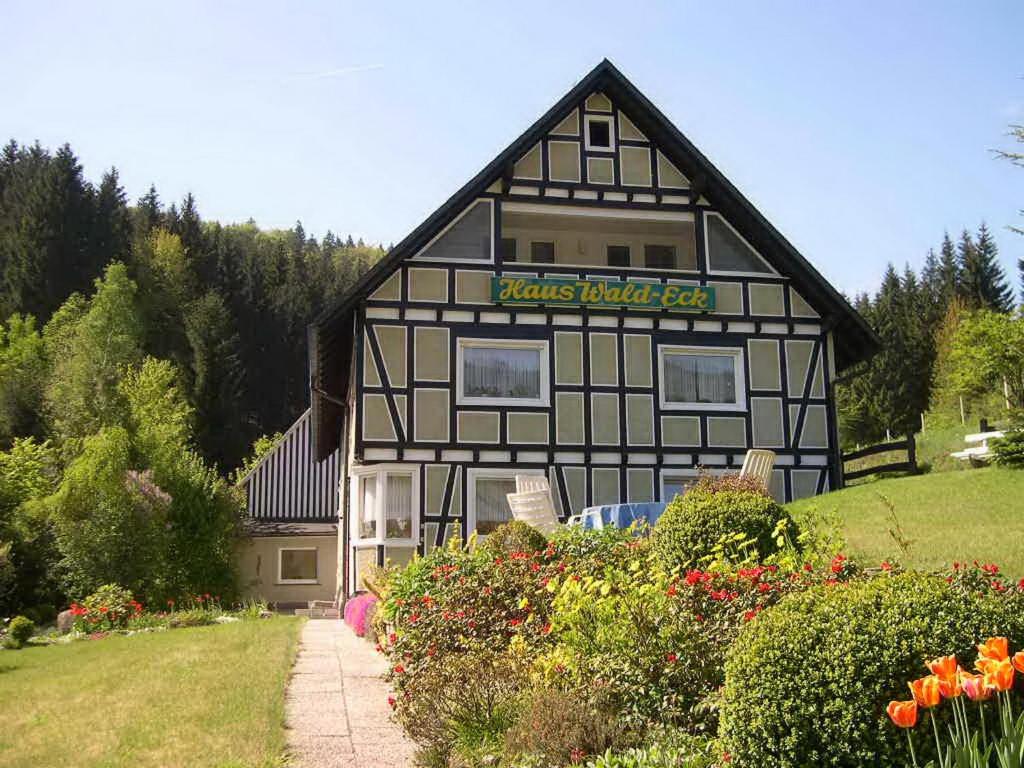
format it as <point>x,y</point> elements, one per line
<point>288,485</point>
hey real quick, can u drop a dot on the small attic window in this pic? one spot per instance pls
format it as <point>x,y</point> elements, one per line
<point>599,134</point>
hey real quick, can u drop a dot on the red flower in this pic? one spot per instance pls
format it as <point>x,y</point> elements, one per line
<point>886,565</point>
<point>392,638</point>
<point>671,591</point>
<point>808,567</point>
<point>515,622</point>
<point>391,701</point>
<point>546,629</point>
<point>399,669</point>
<point>837,563</point>
<point>671,658</point>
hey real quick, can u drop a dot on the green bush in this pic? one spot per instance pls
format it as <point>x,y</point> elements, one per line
<point>19,631</point>
<point>514,536</point>
<point>1008,451</point>
<point>719,513</point>
<point>808,682</point>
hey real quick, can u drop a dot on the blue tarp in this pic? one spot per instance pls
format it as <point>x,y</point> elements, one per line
<point>623,515</point>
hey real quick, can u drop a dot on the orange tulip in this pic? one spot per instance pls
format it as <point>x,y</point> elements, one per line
<point>903,713</point>
<point>1018,661</point>
<point>926,691</point>
<point>998,674</point>
<point>948,671</point>
<point>997,648</point>
<point>976,687</point>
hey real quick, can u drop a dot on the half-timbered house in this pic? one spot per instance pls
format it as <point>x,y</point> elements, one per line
<point>599,305</point>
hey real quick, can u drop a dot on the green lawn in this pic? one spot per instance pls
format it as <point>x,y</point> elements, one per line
<point>209,696</point>
<point>957,515</point>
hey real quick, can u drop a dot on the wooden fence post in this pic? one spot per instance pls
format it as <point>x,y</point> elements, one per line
<point>912,454</point>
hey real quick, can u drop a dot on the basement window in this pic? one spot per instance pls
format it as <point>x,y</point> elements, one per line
<point>296,565</point>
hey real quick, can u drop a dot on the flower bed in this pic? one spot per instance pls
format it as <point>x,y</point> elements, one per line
<point>605,648</point>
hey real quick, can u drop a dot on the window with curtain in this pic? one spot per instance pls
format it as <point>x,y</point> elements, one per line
<point>699,378</point>
<point>508,371</point>
<point>368,507</point>
<point>398,507</point>
<point>385,502</point>
<point>728,252</point>
<point>490,503</point>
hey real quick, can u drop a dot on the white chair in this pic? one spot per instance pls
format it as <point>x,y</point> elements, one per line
<point>758,464</point>
<point>532,483</point>
<point>535,509</point>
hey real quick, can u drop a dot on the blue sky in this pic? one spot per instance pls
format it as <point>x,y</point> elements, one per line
<point>861,130</point>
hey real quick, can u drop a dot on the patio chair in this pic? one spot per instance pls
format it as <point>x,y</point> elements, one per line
<point>534,508</point>
<point>758,464</point>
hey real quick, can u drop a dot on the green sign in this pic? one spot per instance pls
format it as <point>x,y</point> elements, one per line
<point>602,293</point>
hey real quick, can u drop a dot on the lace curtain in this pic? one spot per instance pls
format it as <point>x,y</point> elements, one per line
<point>368,513</point>
<point>700,379</point>
<point>501,372</point>
<point>398,507</point>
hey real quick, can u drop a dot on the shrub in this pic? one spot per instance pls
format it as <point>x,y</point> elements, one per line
<point>557,727</point>
<point>514,536</point>
<point>1008,451</point>
<point>808,681</point>
<point>716,513</point>
<point>19,632</point>
<point>108,608</point>
<point>461,703</point>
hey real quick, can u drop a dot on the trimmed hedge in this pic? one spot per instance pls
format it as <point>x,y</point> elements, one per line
<point>693,525</point>
<point>514,536</point>
<point>807,682</point>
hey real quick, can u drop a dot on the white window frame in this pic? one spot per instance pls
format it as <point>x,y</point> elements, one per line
<point>490,258</point>
<point>475,473</point>
<point>707,250</point>
<point>381,472</point>
<point>609,121</point>
<point>280,553</point>
<point>739,371</point>
<point>540,345</point>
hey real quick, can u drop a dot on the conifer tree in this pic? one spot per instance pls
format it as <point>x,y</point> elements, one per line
<point>984,283</point>
<point>949,270</point>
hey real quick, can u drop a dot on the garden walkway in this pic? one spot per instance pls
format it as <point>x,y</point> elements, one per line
<point>336,708</point>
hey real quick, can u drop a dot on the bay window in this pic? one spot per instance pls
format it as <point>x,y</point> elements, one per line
<point>502,372</point>
<point>385,504</point>
<point>702,378</point>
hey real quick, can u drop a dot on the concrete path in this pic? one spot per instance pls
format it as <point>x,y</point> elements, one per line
<point>336,706</point>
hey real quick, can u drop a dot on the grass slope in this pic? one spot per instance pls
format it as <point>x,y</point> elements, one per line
<point>958,515</point>
<point>208,696</point>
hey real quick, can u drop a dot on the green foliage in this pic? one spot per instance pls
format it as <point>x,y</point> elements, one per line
<point>1008,451</point>
<point>514,536</point>
<point>713,514</point>
<point>263,445</point>
<point>988,351</point>
<point>807,683</point>
<point>82,396</point>
<point>19,632</point>
<point>665,748</point>
<point>27,550</point>
<point>110,521</point>
<point>22,370</point>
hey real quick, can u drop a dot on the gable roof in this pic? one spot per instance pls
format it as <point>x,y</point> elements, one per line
<point>329,352</point>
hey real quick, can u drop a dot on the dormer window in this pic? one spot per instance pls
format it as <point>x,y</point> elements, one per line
<point>600,136</point>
